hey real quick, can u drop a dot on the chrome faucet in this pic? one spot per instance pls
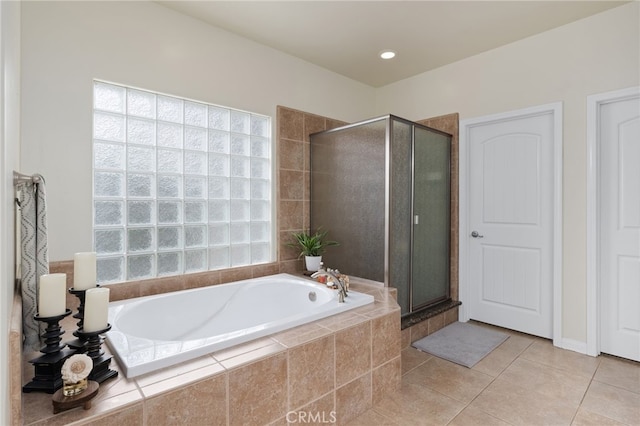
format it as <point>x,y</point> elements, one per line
<point>333,273</point>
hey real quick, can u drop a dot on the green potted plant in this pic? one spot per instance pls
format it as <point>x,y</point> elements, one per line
<point>311,247</point>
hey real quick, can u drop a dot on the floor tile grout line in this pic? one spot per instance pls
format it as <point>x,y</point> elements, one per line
<point>496,378</point>
<point>591,379</point>
<point>563,370</point>
<point>585,409</point>
<point>381,414</point>
<point>582,399</point>
<point>465,404</point>
<point>446,396</point>
<point>468,404</point>
<point>422,362</point>
<point>559,370</point>
<point>482,411</point>
<point>585,395</point>
<point>616,386</point>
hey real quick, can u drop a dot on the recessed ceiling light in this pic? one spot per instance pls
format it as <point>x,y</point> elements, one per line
<point>387,54</point>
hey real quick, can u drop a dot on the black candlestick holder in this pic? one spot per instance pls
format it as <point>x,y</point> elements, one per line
<point>78,345</point>
<point>93,348</point>
<point>48,376</point>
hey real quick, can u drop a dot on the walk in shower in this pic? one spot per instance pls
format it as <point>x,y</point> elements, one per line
<point>382,188</point>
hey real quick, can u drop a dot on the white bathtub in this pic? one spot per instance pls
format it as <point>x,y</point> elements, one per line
<point>154,332</point>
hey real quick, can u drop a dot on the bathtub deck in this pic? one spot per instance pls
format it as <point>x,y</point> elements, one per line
<point>342,365</point>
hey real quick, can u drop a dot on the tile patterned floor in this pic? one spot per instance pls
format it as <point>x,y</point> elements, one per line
<point>525,381</point>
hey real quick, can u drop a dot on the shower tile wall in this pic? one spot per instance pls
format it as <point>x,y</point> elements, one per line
<point>294,175</point>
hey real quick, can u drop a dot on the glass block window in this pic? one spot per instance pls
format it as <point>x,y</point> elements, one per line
<point>179,186</point>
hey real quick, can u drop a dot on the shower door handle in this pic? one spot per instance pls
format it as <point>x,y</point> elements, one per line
<point>475,234</point>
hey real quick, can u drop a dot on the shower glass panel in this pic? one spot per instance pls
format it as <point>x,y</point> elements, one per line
<point>400,212</point>
<point>431,209</point>
<point>381,189</point>
<point>347,197</point>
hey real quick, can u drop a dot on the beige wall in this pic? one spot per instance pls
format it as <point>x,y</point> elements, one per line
<point>597,54</point>
<point>9,160</point>
<point>67,44</point>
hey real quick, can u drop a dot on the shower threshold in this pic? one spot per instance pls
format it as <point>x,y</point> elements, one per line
<point>427,312</point>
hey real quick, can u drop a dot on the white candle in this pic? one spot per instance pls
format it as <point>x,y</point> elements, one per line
<point>52,296</point>
<point>84,270</point>
<point>96,309</point>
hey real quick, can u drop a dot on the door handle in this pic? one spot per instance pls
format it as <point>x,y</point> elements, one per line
<point>475,234</point>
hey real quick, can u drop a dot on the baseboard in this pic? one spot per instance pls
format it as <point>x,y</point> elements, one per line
<point>574,345</point>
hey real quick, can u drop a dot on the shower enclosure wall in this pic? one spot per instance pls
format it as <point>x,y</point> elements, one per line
<point>381,188</point>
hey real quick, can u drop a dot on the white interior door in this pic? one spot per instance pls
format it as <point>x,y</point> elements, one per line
<point>619,237</point>
<point>511,222</point>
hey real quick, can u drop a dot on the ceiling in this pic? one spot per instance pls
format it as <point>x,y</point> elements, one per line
<point>346,36</point>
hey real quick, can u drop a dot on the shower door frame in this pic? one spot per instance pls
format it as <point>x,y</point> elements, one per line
<point>447,295</point>
<point>387,181</point>
<point>388,194</point>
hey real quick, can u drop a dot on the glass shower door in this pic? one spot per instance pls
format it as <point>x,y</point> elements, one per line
<point>431,224</point>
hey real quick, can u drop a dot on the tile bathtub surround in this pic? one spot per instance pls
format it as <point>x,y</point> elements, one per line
<point>185,405</point>
<point>353,399</point>
<point>385,339</point>
<point>312,370</point>
<point>385,377</point>
<point>258,392</point>
<point>257,382</point>
<point>356,355</point>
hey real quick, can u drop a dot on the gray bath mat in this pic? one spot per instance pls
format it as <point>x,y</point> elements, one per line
<point>461,342</point>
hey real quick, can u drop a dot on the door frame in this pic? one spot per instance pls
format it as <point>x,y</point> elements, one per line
<point>555,109</point>
<point>594,102</point>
